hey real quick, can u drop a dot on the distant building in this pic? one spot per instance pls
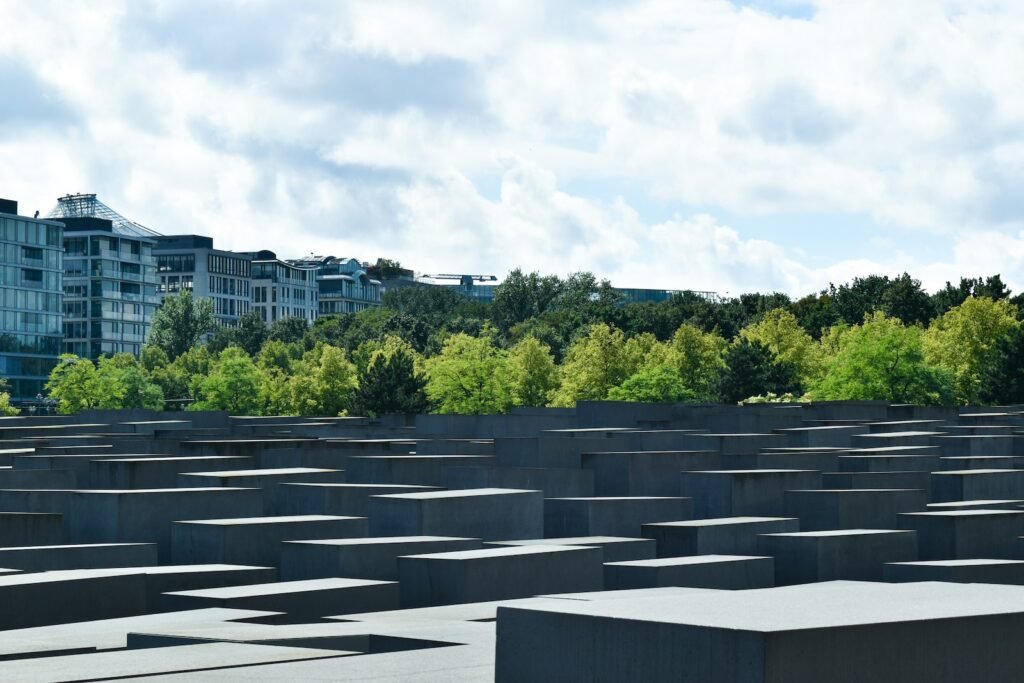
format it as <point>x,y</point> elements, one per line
<point>637,296</point>
<point>31,255</point>
<point>281,289</point>
<point>476,287</point>
<point>343,284</point>
<point>109,278</point>
<point>190,262</point>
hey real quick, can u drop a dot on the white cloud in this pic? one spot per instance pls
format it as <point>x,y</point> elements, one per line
<point>907,114</point>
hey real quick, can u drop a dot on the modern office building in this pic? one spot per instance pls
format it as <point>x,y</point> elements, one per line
<point>109,278</point>
<point>190,262</point>
<point>637,295</point>
<point>31,255</point>
<point>343,284</point>
<point>282,290</point>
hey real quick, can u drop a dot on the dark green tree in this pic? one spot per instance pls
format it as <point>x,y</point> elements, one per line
<point>904,298</point>
<point>816,313</point>
<point>290,330</point>
<point>751,369</point>
<point>1002,379</point>
<point>180,322</point>
<point>390,385</point>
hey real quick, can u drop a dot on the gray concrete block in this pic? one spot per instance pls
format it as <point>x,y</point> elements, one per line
<point>964,534</point>
<point>31,528</point>
<point>838,632</point>
<point>552,482</point>
<point>254,540</point>
<point>977,484</point>
<point>724,572</point>
<point>46,558</point>
<point>958,571</point>
<point>824,509</point>
<point>852,554</point>
<point>498,574</point>
<point>644,473</point>
<point>740,493</point>
<point>616,549</point>
<point>350,500</point>
<point>362,558</point>
<point>610,516</point>
<point>266,481</point>
<point>424,470</point>
<point>723,536</point>
<point>489,514</point>
<point>311,598</point>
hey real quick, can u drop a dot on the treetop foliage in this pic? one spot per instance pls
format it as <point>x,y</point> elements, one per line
<point>547,340</point>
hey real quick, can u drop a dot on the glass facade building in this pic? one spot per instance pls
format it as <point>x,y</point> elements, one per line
<point>109,288</point>
<point>191,262</point>
<point>343,284</point>
<point>282,290</point>
<point>31,262</point>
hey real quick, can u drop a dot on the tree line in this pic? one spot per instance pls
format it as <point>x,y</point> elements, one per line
<point>551,341</point>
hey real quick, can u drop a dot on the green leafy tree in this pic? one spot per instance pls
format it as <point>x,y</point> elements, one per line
<point>653,384</point>
<point>72,384</point>
<point>697,357</point>
<point>816,313</point>
<point>751,369</point>
<point>532,374</point>
<point>232,384</point>
<point>468,376</point>
<point>180,322</point>
<point>991,287</point>
<point>882,360</point>
<point>250,334</point>
<point>905,299</point>
<point>964,341</point>
<point>289,330</point>
<point>781,333</point>
<point>390,384</point>
<point>323,382</point>
<point>121,382</point>
<point>593,365</point>
<point>1002,378</point>
<point>6,409</point>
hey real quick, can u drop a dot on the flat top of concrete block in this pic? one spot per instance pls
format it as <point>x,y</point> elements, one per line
<point>383,540</point>
<point>283,519</point>
<point>1004,458</point>
<point>177,659</point>
<point>609,499</point>
<point>459,493</point>
<point>894,435</point>
<point>965,513</point>
<point>721,521</point>
<point>575,540</point>
<point>170,458</point>
<point>682,561</point>
<point>882,450</point>
<point>749,472</point>
<point>157,422</point>
<point>83,574</point>
<point>975,473</point>
<point>36,548</point>
<point>260,473</point>
<point>977,436</point>
<point>30,514</point>
<point>588,430</point>
<point>840,532</point>
<point>183,489</point>
<point>281,587</point>
<point>905,422</point>
<point>492,553</point>
<point>744,434</point>
<point>853,491</point>
<point>819,428</point>
<point>634,452</point>
<point>422,457</point>
<point>809,606</point>
<point>327,484</point>
<point>958,563</point>
<point>257,441</point>
<point>800,450</point>
<point>956,504</point>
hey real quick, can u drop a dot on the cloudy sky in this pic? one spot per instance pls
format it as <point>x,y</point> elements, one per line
<point>705,144</point>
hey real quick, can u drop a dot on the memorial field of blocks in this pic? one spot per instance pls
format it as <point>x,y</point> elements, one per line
<point>610,542</point>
